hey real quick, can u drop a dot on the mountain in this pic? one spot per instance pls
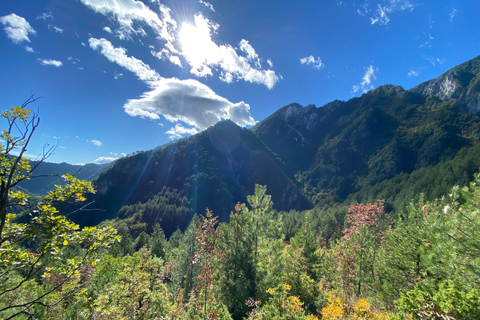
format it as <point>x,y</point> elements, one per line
<point>48,174</point>
<point>344,146</point>
<point>306,156</point>
<point>461,83</point>
<point>215,168</point>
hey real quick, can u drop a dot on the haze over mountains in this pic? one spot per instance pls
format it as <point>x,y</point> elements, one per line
<point>388,143</point>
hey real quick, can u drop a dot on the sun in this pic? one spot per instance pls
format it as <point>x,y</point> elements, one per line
<point>197,45</point>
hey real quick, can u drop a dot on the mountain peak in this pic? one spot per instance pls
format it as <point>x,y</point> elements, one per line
<point>461,83</point>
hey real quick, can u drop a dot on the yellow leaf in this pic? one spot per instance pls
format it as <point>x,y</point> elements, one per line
<point>65,242</point>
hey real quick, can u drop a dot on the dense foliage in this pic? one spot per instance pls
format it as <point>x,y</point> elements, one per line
<point>43,260</point>
<point>422,265</point>
<point>388,237</point>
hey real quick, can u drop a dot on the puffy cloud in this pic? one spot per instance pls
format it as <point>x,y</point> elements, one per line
<point>202,54</point>
<point>164,54</point>
<point>179,131</point>
<point>103,160</point>
<point>188,101</point>
<point>29,49</point>
<point>176,100</point>
<point>108,29</point>
<point>127,12</point>
<point>50,62</point>
<point>119,56</point>
<point>96,142</point>
<point>17,28</point>
<point>250,51</point>
<point>207,4</point>
<point>317,63</point>
<point>367,79</point>
<point>197,47</point>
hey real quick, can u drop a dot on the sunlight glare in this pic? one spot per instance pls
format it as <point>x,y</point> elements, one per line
<point>197,45</point>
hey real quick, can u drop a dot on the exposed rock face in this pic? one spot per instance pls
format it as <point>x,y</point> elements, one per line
<point>461,83</point>
<point>444,88</point>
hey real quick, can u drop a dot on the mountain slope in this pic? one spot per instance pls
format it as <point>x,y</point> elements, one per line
<point>215,168</point>
<point>461,83</point>
<point>338,149</point>
<point>305,155</point>
<point>49,174</point>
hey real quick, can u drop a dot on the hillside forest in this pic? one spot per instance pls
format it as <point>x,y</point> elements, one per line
<point>365,209</point>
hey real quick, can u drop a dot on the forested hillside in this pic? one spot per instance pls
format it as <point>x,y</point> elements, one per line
<point>48,174</point>
<point>389,143</point>
<point>364,209</point>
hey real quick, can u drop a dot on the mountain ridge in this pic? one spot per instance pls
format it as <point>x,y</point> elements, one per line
<point>307,156</point>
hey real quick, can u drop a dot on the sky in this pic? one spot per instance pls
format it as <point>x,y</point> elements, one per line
<point>121,76</point>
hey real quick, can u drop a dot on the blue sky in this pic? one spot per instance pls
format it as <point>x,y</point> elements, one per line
<point>120,76</point>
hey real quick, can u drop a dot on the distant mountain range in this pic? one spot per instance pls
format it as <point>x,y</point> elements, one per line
<point>387,143</point>
<point>48,174</point>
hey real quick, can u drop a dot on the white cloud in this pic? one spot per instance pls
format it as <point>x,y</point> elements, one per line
<point>108,29</point>
<point>452,15</point>
<point>317,63</point>
<point>165,54</point>
<point>96,142</point>
<point>381,15</point>
<point>103,160</point>
<point>245,46</point>
<point>197,47</point>
<point>45,16</point>
<point>127,12</point>
<point>55,28</point>
<point>119,56</point>
<point>188,101</point>
<point>17,28</point>
<point>413,73</point>
<point>202,54</point>
<point>29,49</point>
<point>367,79</point>
<point>50,62</point>
<point>207,4</point>
<point>118,76</point>
<point>179,131</point>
